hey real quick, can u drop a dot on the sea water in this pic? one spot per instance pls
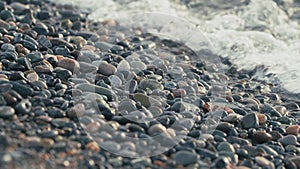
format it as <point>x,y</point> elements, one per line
<point>249,32</point>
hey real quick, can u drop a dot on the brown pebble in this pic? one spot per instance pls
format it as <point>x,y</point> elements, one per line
<point>93,146</point>
<point>107,69</point>
<point>207,106</point>
<point>262,136</point>
<point>77,111</point>
<point>262,119</point>
<point>88,47</point>
<point>293,130</point>
<point>229,110</point>
<point>179,93</point>
<point>93,127</point>
<point>69,64</point>
<point>156,129</point>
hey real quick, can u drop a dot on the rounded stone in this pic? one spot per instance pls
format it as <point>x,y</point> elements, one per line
<point>156,129</point>
<point>262,136</point>
<point>185,157</point>
<point>179,93</point>
<point>293,130</point>
<point>225,146</point>
<point>106,69</point>
<point>69,64</point>
<point>288,140</point>
<point>32,77</point>
<point>6,112</point>
<point>151,84</point>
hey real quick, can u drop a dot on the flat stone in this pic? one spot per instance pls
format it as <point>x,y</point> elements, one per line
<point>156,129</point>
<point>87,67</point>
<point>146,101</point>
<point>185,157</point>
<point>151,84</point>
<point>97,89</point>
<point>138,65</point>
<point>23,90</point>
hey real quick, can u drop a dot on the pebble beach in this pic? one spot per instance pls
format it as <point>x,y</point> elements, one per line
<point>80,93</point>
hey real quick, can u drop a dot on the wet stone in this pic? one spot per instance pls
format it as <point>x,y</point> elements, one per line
<point>288,140</point>
<point>107,69</point>
<point>250,121</point>
<point>6,112</point>
<point>68,63</point>
<point>23,107</point>
<point>262,136</point>
<point>151,84</point>
<point>185,157</point>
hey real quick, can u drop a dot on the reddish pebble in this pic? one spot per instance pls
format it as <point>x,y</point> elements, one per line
<point>262,119</point>
<point>93,146</point>
<point>293,130</point>
<point>69,64</point>
<point>179,92</point>
<point>207,106</point>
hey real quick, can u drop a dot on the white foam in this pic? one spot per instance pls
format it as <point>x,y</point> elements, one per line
<point>277,46</point>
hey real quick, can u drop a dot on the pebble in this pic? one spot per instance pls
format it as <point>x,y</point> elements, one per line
<point>32,77</point>
<point>106,69</point>
<point>288,140</point>
<point>293,129</point>
<point>97,89</point>
<point>138,65</point>
<point>68,63</point>
<point>87,67</point>
<point>156,129</point>
<point>185,158</point>
<point>296,160</point>
<point>150,84</point>
<point>23,107</point>
<point>123,66</point>
<point>262,119</point>
<point>179,93</point>
<point>6,112</point>
<point>225,146</point>
<point>264,162</point>
<point>262,136</point>
<point>145,100</point>
<point>250,121</point>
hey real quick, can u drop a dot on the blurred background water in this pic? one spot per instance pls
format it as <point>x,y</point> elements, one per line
<point>249,32</point>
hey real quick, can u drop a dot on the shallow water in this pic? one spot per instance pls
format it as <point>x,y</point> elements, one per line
<point>250,33</point>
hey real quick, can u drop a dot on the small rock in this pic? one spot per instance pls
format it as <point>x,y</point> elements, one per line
<point>293,129</point>
<point>262,119</point>
<point>250,121</point>
<point>97,89</point>
<point>145,100</point>
<point>225,146</point>
<point>32,77</point>
<point>6,112</point>
<point>151,84</point>
<point>262,136</point>
<point>87,67</point>
<point>123,66</point>
<point>289,140</point>
<point>185,157</point>
<point>107,69</point>
<point>156,129</point>
<point>264,162</point>
<point>68,63</point>
<point>179,93</point>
